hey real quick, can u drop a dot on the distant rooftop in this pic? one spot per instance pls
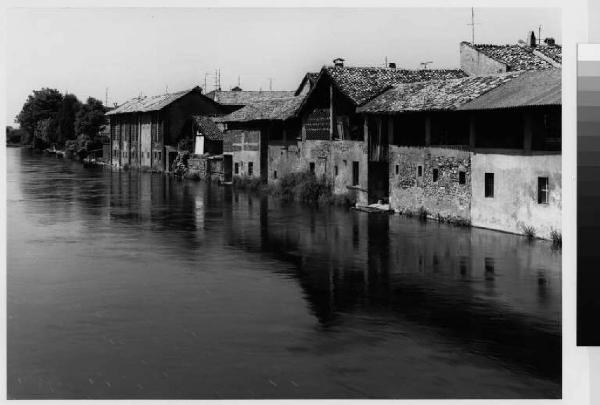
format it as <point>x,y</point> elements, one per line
<point>241,97</point>
<point>267,110</point>
<point>208,127</point>
<point>521,56</point>
<point>445,94</point>
<point>150,103</point>
<point>361,84</point>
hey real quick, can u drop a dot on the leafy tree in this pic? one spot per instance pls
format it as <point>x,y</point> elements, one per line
<point>65,118</point>
<point>41,105</point>
<point>45,133</point>
<point>15,136</point>
<point>90,118</point>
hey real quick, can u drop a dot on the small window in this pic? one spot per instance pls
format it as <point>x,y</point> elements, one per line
<point>312,167</point>
<point>462,178</point>
<point>397,169</point>
<point>355,173</point>
<point>236,168</point>
<point>435,175</point>
<point>335,169</point>
<point>250,168</point>
<point>542,190</point>
<point>489,185</point>
<point>159,155</point>
<point>274,174</point>
<point>419,170</point>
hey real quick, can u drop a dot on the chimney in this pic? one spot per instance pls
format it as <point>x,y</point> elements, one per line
<point>338,62</point>
<point>549,41</point>
<point>392,65</point>
<point>531,41</point>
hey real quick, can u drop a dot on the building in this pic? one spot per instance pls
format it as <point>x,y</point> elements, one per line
<point>483,150</point>
<point>333,138</point>
<point>485,59</point>
<point>145,131</point>
<point>237,98</point>
<point>261,139</point>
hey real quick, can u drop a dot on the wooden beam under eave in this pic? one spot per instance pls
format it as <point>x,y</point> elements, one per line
<point>330,111</point>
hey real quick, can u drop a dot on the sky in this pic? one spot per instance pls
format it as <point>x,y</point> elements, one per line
<point>133,51</point>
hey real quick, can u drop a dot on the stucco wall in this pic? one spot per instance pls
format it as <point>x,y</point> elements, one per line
<point>283,160</point>
<point>246,147</point>
<point>515,202</point>
<point>326,155</point>
<point>446,197</point>
<point>476,63</point>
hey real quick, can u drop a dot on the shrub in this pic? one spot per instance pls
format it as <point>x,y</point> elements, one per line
<point>529,231</point>
<point>422,213</point>
<point>556,237</point>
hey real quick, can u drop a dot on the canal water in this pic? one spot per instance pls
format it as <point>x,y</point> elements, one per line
<point>129,285</point>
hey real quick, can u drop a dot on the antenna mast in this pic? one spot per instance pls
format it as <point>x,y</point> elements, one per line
<point>473,24</point>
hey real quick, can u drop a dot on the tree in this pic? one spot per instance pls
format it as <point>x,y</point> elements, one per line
<point>90,118</point>
<point>41,105</point>
<point>45,133</point>
<point>65,118</point>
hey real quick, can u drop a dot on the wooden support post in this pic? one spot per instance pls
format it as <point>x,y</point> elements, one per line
<point>527,131</point>
<point>330,111</point>
<point>472,131</point>
<point>366,129</point>
<point>427,130</point>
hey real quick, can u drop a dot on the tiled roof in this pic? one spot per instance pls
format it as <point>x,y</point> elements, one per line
<point>533,88</point>
<point>435,94</point>
<point>310,77</point>
<point>361,84</point>
<point>516,57</point>
<point>270,110</point>
<point>152,103</point>
<point>246,97</point>
<point>553,52</point>
<point>208,127</point>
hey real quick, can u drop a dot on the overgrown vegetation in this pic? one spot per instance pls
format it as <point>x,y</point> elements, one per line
<point>304,187</point>
<point>529,232</point>
<point>556,237</point>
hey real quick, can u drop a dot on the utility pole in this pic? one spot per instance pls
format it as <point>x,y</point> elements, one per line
<point>539,35</point>
<point>205,75</point>
<point>106,97</point>
<point>385,63</point>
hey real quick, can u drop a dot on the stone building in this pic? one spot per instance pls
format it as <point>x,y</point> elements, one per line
<point>485,59</point>
<point>145,131</point>
<point>481,149</point>
<point>332,132</point>
<point>261,139</point>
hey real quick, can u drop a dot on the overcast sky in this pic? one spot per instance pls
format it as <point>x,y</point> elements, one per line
<point>133,50</point>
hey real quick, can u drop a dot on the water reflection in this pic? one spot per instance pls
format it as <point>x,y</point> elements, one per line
<point>340,302</point>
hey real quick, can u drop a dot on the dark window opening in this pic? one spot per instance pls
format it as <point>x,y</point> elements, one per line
<point>462,178</point>
<point>355,173</point>
<point>275,174</point>
<point>543,190</point>
<point>397,169</point>
<point>250,168</point>
<point>409,130</point>
<point>312,167</point>
<point>236,168</point>
<point>335,168</point>
<point>435,175</point>
<point>419,170</point>
<point>489,185</point>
